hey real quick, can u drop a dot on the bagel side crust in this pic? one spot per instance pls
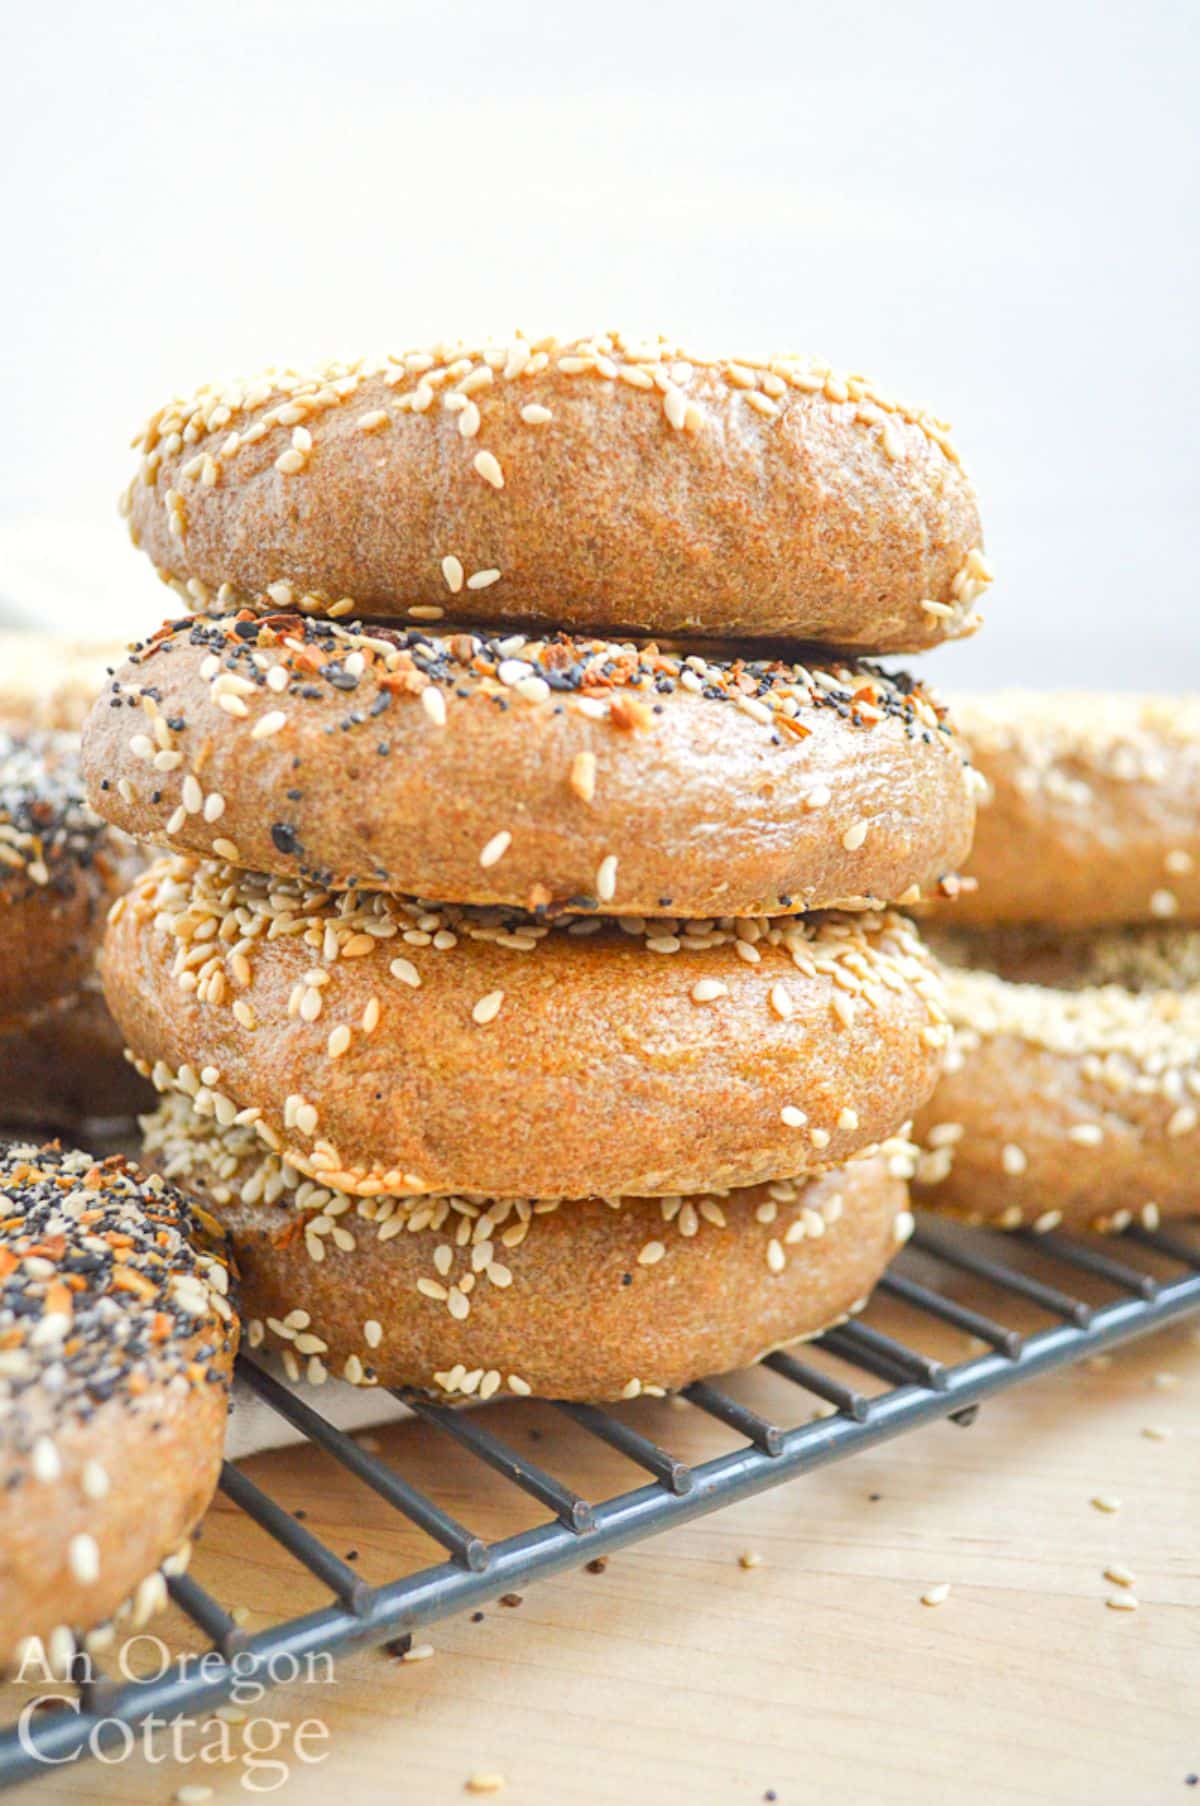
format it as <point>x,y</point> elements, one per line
<point>1090,810</point>
<point>591,1299</point>
<point>388,1046</point>
<point>1074,1103</point>
<point>517,772</point>
<point>593,483</point>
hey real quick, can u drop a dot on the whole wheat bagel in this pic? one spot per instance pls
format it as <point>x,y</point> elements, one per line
<point>1090,814</point>
<point>116,1351</point>
<point>590,1299</point>
<point>559,773</point>
<point>60,868</point>
<point>50,682</point>
<point>584,484</point>
<point>63,1069</point>
<point>1072,1097</point>
<point>392,1047</point>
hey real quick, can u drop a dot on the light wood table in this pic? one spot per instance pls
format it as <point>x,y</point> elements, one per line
<point>817,1675</point>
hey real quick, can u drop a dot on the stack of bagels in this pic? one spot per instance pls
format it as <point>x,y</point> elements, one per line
<point>523,979</point>
<point>1072,1092</point>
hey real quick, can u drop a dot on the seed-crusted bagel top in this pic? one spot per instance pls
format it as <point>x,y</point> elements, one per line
<point>60,867</point>
<point>1071,1092</point>
<point>593,483</point>
<point>117,1341</point>
<point>1089,812</point>
<point>562,773</point>
<point>109,1282</point>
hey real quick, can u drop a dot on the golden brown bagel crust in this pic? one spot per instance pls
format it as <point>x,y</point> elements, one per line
<point>587,1299</point>
<point>510,771</point>
<point>60,868</point>
<point>63,1067</point>
<point>1093,817</point>
<point>49,682</point>
<point>396,1048</point>
<point>117,1351</point>
<point>591,484</point>
<point>1074,1103</point>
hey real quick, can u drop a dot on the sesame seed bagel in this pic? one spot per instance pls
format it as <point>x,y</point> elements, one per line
<point>1072,1088</point>
<point>116,1352</point>
<point>1089,814</point>
<point>60,868</point>
<point>562,773</point>
<point>63,1068</point>
<point>586,484</point>
<point>386,1046</point>
<point>592,1299</point>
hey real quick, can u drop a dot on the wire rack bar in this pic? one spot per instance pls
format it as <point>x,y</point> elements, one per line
<point>992,1268</point>
<point>715,1403</point>
<point>854,1405</point>
<point>948,1310</point>
<point>461,1543</point>
<point>566,1505</point>
<point>770,1455</point>
<point>676,1475</point>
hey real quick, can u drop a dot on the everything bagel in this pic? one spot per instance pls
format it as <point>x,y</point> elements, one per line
<point>116,1352</point>
<point>559,773</point>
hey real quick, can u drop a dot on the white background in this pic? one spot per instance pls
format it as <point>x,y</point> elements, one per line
<point>989,208</point>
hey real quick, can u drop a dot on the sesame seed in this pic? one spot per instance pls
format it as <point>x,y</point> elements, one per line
<point>372,421</point>
<point>854,836</point>
<point>650,1254</point>
<point>791,1117</point>
<point>495,849</point>
<point>83,1558</point>
<point>94,1480</point>
<point>434,705</point>
<point>420,1652</point>
<point>372,1333</point>
<point>1104,1502</point>
<point>406,972</point>
<point>1122,1602</point>
<point>936,1595</point>
<point>582,779</point>
<point>45,1460</point>
<point>533,414</point>
<point>485,1782</point>
<point>606,878</point>
<point>488,466</point>
<point>268,725</point>
<point>706,990</point>
<point>339,1042</point>
<point>483,579</point>
<point>1119,1575</point>
<point>452,571</point>
<point>488,1008</point>
<point>750,1558</point>
<point>781,1001</point>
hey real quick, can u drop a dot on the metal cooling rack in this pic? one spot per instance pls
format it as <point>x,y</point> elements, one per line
<point>1156,1279</point>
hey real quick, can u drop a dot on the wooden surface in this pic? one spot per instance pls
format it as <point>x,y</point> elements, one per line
<point>678,1674</point>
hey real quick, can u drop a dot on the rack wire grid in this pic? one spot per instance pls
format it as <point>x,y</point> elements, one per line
<point>1094,1295</point>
